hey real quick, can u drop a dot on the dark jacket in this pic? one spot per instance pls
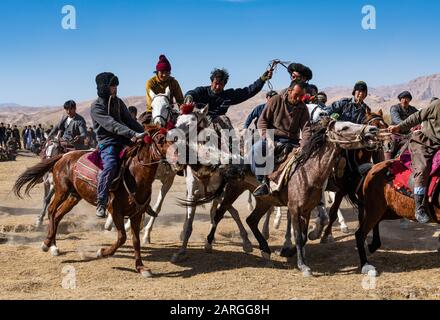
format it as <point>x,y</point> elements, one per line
<point>112,123</point>
<point>2,132</point>
<point>254,115</point>
<point>219,104</point>
<point>76,128</point>
<point>348,110</point>
<point>288,121</point>
<point>399,114</point>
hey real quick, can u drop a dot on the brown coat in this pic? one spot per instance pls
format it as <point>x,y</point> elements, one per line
<point>287,120</point>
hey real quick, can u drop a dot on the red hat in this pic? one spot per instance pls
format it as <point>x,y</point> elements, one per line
<point>163,64</point>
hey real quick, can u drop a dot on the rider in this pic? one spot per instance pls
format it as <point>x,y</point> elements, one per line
<point>321,99</point>
<point>220,100</point>
<point>399,113</point>
<point>298,72</point>
<point>72,128</point>
<point>423,146</point>
<point>114,128</point>
<point>351,109</point>
<point>158,84</point>
<point>256,112</point>
<point>287,115</point>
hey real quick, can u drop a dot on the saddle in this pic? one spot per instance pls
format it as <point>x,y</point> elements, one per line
<point>89,165</point>
<point>403,180</point>
<point>283,169</point>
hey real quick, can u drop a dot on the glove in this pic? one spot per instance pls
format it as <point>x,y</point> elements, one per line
<point>335,116</point>
<point>267,75</point>
<point>188,99</point>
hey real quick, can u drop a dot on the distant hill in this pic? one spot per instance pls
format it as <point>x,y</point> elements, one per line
<point>422,89</point>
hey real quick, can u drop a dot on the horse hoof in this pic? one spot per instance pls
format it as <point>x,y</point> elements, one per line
<point>44,248</point>
<point>38,223</point>
<point>369,269</point>
<point>146,240</point>
<point>265,255</point>
<point>287,252</point>
<point>146,273</point>
<point>328,239</point>
<point>54,251</point>
<point>108,224</point>
<point>247,247</point>
<point>208,247</point>
<point>177,257</point>
<point>266,236</point>
<point>99,253</point>
<point>307,273</point>
<point>314,234</point>
<point>344,229</point>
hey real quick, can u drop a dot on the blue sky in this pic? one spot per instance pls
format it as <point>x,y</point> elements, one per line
<point>43,64</point>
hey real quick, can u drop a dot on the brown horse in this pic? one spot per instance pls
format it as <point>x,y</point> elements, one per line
<point>358,162</point>
<point>383,202</point>
<point>129,197</point>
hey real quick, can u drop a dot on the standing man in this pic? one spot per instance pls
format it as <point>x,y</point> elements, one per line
<point>423,145</point>
<point>16,136</point>
<point>72,127</point>
<point>256,112</point>
<point>158,84</point>
<point>399,113</point>
<point>114,127</point>
<point>2,135</point>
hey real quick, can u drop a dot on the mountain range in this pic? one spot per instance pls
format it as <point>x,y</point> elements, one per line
<point>422,88</point>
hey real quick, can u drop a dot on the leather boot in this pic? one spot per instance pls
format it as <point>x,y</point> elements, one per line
<point>421,212</point>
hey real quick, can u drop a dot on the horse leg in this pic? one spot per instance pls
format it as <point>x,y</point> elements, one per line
<point>320,221</point>
<point>49,191</point>
<point>253,220</point>
<point>118,220</point>
<point>187,231</point>
<point>342,225</point>
<point>375,243</point>
<point>57,200</point>
<point>54,219</point>
<point>250,206</point>
<point>288,250</point>
<point>136,221</point>
<point>300,233</point>
<point>109,223</point>
<point>247,245</point>
<point>277,220</point>
<point>266,223</point>
<point>334,210</point>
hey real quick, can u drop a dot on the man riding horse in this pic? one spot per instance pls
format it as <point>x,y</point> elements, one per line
<point>220,100</point>
<point>158,85</point>
<point>114,127</point>
<point>72,128</point>
<point>423,146</point>
<point>287,115</point>
<point>399,113</point>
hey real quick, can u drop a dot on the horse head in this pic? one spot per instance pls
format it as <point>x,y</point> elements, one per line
<point>348,135</point>
<point>162,109</point>
<point>316,112</point>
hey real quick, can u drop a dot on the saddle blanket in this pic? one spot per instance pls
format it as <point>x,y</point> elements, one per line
<point>403,180</point>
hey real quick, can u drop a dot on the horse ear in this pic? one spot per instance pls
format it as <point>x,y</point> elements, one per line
<point>168,92</point>
<point>205,110</point>
<point>367,112</point>
<point>380,113</point>
<point>152,94</point>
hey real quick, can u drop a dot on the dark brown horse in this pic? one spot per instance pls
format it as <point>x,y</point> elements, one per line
<point>358,164</point>
<point>129,197</point>
<point>383,202</point>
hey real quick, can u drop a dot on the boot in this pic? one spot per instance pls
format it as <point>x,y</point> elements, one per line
<point>421,214</point>
<point>101,210</point>
<point>262,189</point>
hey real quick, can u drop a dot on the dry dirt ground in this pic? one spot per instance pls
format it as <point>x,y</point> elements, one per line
<point>408,263</point>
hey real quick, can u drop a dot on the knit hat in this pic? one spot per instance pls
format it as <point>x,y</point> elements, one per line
<point>404,94</point>
<point>103,82</point>
<point>163,64</point>
<point>361,86</point>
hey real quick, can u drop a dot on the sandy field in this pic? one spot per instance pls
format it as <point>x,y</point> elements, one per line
<point>408,262</point>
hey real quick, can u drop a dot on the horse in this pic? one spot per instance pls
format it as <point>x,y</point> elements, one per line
<point>129,195</point>
<point>201,180</point>
<point>383,202</point>
<point>303,191</point>
<point>164,115</point>
<point>358,164</point>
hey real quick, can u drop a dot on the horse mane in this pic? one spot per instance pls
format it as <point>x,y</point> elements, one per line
<point>317,140</point>
<point>132,150</point>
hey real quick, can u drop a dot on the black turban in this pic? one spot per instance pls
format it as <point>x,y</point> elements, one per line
<point>301,69</point>
<point>104,81</point>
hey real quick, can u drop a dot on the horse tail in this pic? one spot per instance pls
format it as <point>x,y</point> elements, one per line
<point>205,200</point>
<point>34,175</point>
